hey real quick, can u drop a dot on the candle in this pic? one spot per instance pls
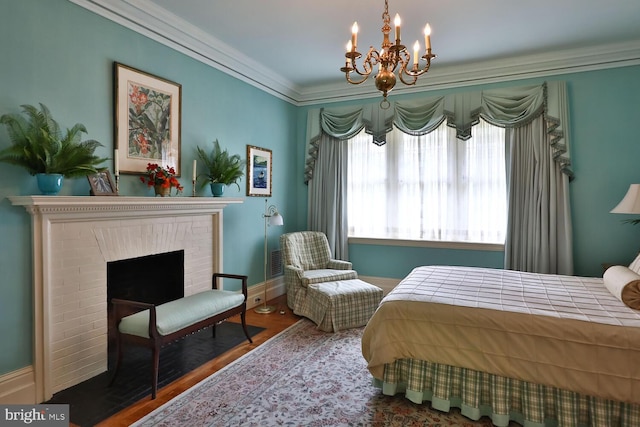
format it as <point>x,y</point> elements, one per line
<point>416,48</point>
<point>116,168</point>
<point>354,35</point>
<point>396,21</point>
<point>427,37</point>
<point>194,170</point>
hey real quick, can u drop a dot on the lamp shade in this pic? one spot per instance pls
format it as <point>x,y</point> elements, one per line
<point>630,204</point>
<point>276,219</point>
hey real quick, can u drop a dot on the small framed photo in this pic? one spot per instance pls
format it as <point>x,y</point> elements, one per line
<point>147,120</point>
<point>258,171</point>
<point>101,184</point>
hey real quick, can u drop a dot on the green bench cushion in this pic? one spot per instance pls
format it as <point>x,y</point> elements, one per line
<point>176,315</point>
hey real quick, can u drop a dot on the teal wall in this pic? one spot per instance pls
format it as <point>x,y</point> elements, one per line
<point>55,52</point>
<point>62,55</point>
<point>605,150</point>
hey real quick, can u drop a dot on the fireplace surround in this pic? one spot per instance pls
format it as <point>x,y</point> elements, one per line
<point>74,237</point>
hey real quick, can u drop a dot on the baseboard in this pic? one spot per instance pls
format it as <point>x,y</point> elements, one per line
<point>275,288</point>
<point>18,387</point>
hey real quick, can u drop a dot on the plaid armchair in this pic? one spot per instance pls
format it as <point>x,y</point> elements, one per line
<point>307,261</point>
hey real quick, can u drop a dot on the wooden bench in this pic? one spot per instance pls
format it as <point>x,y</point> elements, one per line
<point>154,326</point>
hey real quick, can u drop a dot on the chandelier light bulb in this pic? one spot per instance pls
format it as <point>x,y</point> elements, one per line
<point>427,37</point>
<point>354,35</point>
<point>396,22</point>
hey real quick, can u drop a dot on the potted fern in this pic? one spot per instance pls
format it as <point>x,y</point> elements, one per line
<point>221,168</point>
<point>45,151</point>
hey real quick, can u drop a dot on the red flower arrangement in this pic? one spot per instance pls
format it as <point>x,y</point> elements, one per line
<point>164,177</point>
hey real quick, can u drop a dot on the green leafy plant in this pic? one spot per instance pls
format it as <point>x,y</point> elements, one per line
<point>221,167</point>
<point>40,146</point>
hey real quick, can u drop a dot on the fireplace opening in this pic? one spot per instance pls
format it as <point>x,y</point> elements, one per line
<point>154,279</point>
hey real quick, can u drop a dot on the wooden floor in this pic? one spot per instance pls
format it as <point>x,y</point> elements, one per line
<point>274,324</point>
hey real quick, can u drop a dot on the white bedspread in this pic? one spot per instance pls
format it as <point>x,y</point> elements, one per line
<point>564,331</point>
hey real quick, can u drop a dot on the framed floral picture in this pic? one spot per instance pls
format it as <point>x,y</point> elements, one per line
<point>147,120</point>
<point>258,171</point>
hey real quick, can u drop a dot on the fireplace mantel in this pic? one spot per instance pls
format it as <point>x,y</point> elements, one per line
<point>120,204</point>
<point>74,237</point>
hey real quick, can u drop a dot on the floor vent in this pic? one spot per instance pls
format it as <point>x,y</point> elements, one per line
<point>276,263</point>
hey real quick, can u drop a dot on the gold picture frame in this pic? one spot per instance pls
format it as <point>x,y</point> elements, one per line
<point>259,171</point>
<point>147,120</point>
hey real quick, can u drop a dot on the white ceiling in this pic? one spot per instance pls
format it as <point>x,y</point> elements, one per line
<point>295,48</point>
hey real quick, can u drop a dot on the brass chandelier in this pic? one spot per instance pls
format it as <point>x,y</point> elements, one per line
<point>390,57</point>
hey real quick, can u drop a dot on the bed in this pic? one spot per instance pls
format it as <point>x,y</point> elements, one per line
<point>538,349</point>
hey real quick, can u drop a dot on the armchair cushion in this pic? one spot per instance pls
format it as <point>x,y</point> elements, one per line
<point>338,264</point>
<point>326,275</point>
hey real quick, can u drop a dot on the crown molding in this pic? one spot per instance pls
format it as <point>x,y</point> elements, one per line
<point>146,18</point>
<point>506,69</point>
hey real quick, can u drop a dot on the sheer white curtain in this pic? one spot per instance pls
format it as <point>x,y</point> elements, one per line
<point>431,187</point>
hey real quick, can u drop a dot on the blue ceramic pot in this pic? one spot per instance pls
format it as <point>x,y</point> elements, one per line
<point>217,189</point>
<point>49,184</point>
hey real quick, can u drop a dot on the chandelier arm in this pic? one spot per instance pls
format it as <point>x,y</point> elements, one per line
<point>416,72</point>
<point>357,82</point>
<point>399,57</point>
<point>367,65</point>
<point>414,77</point>
<point>366,71</point>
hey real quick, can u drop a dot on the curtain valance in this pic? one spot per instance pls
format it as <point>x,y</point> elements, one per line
<point>505,107</point>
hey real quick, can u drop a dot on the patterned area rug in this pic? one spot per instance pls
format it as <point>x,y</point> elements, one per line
<point>301,377</point>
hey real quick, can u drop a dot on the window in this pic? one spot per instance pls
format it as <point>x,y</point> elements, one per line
<point>431,187</point>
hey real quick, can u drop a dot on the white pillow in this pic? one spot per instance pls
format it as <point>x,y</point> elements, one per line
<point>624,284</point>
<point>635,264</point>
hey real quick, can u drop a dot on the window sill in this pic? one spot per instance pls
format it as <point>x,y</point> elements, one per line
<point>475,246</point>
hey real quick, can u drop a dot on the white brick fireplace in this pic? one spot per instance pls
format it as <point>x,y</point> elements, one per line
<point>74,238</point>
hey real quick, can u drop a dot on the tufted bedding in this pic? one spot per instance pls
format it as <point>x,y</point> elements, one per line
<point>561,331</point>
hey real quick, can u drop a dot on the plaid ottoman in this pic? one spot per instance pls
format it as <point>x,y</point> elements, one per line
<point>342,304</point>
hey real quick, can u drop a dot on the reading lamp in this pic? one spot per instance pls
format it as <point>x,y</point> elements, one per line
<point>273,218</point>
<point>630,204</point>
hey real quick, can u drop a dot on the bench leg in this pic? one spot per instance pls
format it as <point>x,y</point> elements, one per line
<point>118,360</point>
<point>243,317</point>
<point>154,371</point>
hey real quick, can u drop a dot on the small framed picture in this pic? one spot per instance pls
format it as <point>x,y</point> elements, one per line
<point>258,171</point>
<point>147,120</point>
<point>102,184</point>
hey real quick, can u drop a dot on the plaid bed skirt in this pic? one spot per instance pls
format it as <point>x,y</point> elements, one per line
<point>502,399</point>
